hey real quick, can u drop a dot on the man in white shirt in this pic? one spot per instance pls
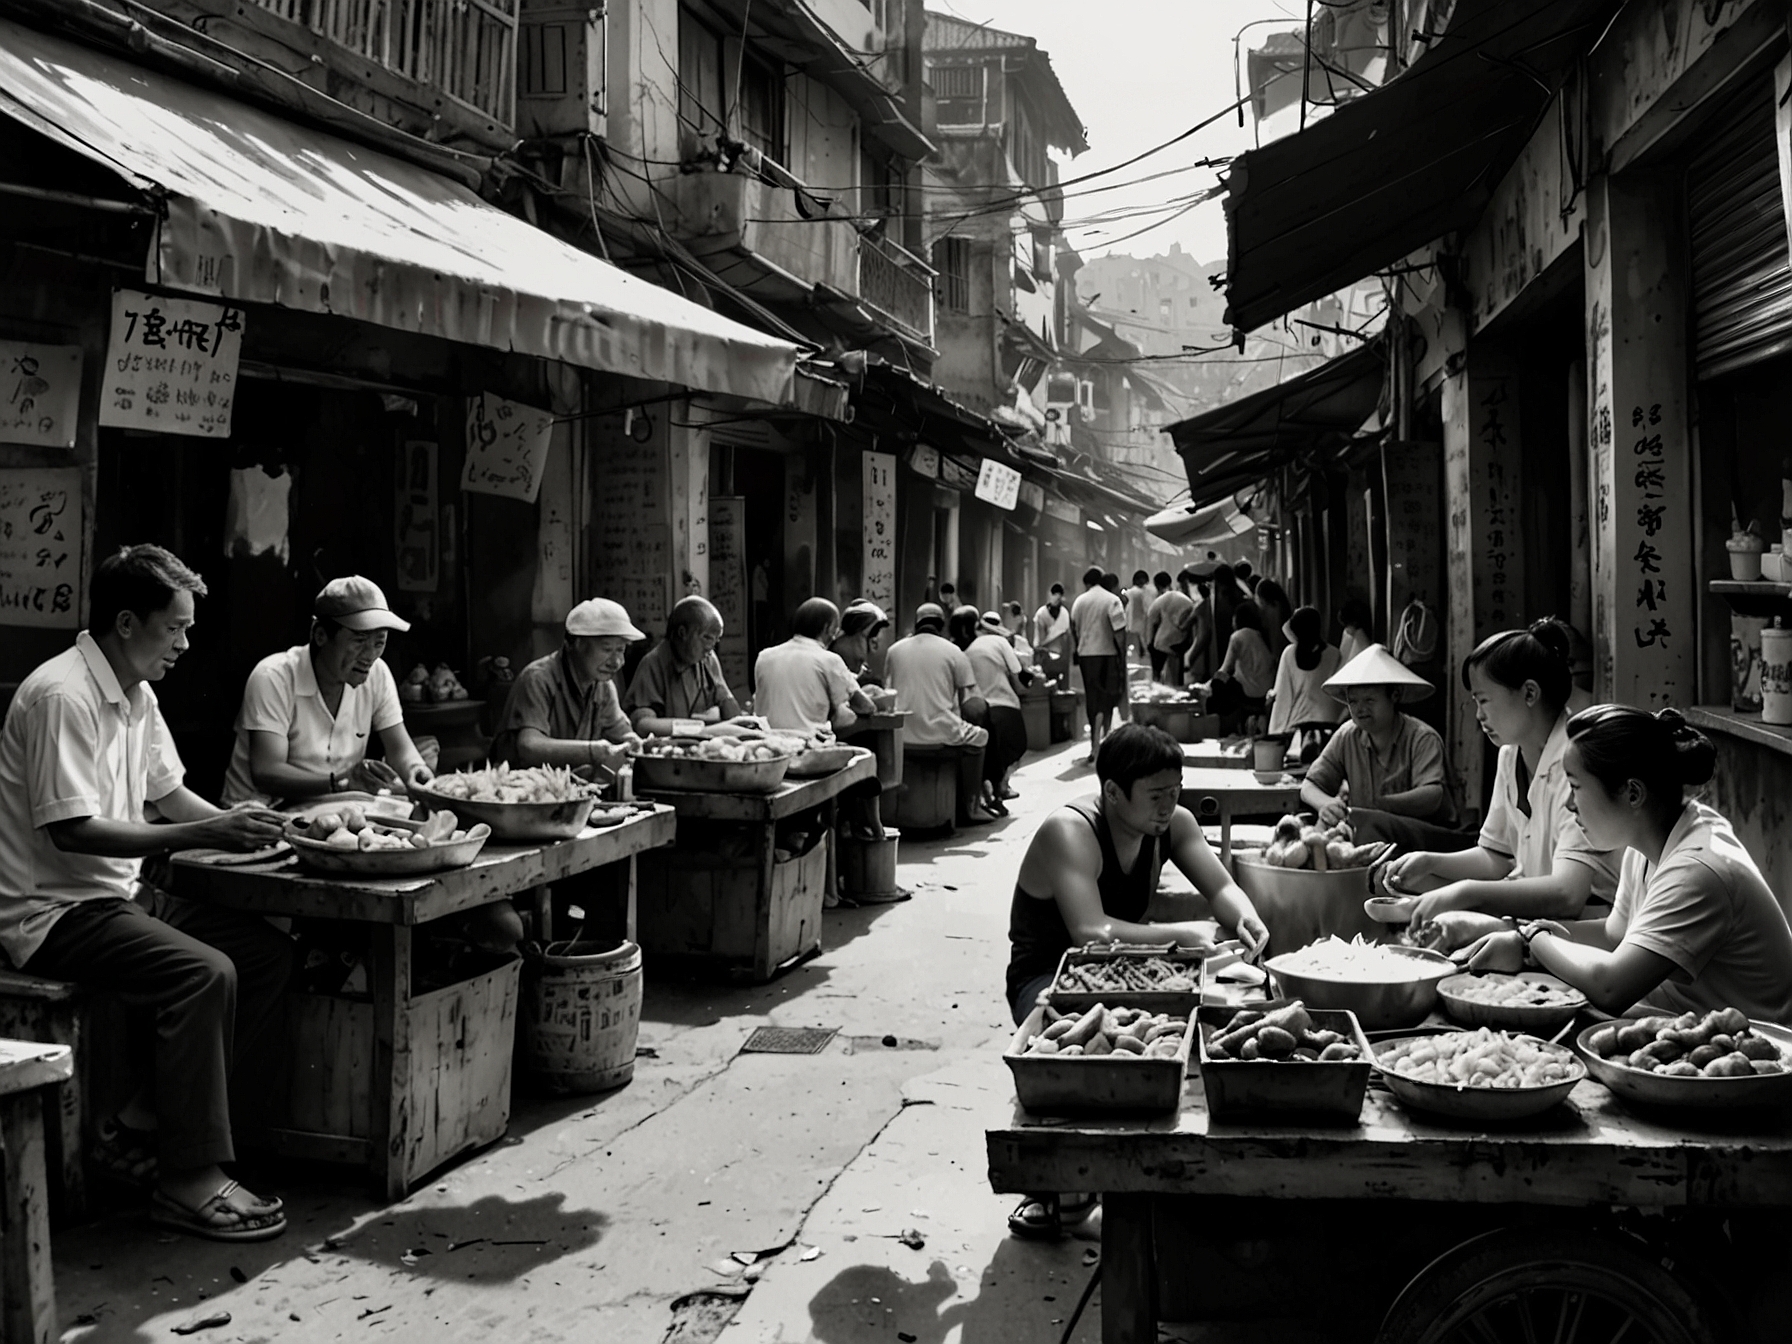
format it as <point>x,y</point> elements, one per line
<point>801,686</point>
<point>937,689</point>
<point>84,755</point>
<point>1098,627</point>
<point>1051,634</point>
<point>308,713</point>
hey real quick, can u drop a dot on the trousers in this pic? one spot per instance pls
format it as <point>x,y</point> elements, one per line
<point>213,980</point>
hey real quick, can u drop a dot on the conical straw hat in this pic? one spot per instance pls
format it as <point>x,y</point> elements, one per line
<point>1375,666</point>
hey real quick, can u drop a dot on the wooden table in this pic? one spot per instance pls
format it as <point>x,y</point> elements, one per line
<point>752,921</point>
<point>1212,753</point>
<point>1590,1153</point>
<point>395,1087</point>
<point>1220,793</point>
<point>881,734</point>
<point>27,1290</point>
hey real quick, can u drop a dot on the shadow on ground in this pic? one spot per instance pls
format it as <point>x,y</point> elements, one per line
<point>490,1241</point>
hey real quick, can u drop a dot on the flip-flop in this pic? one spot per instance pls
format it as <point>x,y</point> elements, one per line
<point>123,1154</point>
<point>216,1220</point>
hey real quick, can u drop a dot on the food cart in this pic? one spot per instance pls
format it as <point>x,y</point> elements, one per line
<point>399,1080</point>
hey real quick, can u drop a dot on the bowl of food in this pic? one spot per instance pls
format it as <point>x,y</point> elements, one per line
<point>541,802</point>
<point>1716,1060</point>
<point>813,762</point>
<point>1384,985</point>
<point>1529,1001</point>
<point>348,843</point>
<point>711,765</point>
<point>1478,1075</point>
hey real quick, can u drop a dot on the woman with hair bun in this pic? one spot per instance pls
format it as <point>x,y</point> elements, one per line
<point>1695,927</point>
<point>1532,858</point>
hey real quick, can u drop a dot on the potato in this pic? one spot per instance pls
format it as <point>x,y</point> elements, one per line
<point>1098,1045</point>
<point>354,819</point>
<point>419,841</point>
<point>1604,1042</point>
<point>1275,1043</point>
<point>1340,1050</point>
<point>1768,1066</point>
<point>1634,1037</point>
<point>1733,1065</point>
<point>341,839</point>
<point>1681,1068</point>
<point>1128,1045</point>
<point>1702,1056</point>
<point>1758,1047</point>
<point>326,824</point>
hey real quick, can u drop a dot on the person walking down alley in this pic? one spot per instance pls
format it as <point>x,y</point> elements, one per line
<point>1051,634</point>
<point>1098,634</point>
<point>1138,613</point>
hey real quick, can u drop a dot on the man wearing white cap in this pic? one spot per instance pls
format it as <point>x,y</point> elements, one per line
<point>1383,769</point>
<point>308,713</point>
<point>564,708</point>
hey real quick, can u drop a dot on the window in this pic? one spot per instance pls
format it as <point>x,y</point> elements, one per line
<point>880,186</point>
<point>709,69</point>
<point>952,287</point>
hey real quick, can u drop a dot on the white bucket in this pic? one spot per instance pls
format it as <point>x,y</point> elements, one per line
<point>1776,676</point>
<point>1268,753</point>
<point>581,1015</point>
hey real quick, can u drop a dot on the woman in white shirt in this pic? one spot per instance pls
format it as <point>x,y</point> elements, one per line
<point>1532,858</point>
<point>1306,665</point>
<point>1695,927</point>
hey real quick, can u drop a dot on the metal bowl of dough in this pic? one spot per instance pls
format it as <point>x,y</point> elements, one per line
<point>1378,1004</point>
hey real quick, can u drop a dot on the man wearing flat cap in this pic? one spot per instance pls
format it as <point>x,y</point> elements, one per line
<point>309,713</point>
<point>564,708</point>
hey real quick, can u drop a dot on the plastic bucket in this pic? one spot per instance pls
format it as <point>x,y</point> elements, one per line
<point>1268,753</point>
<point>581,1015</point>
<point>1776,676</point>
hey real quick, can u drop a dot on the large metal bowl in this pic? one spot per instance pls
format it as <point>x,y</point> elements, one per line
<point>516,822</point>
<point>689,773</point>
<point>1299,906</point>
<point>1479,1103</point>
<point>1652,1089</point>
<point>1538,1019</point>
<point>1378,1005</point>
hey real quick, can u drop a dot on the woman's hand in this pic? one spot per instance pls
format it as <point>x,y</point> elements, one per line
<point>1503,951</point>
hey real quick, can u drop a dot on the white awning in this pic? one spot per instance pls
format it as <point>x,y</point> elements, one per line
<point>263,210</point>
<point>1218,524</point>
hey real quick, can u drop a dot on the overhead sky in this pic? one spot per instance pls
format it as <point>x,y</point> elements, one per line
<point>1140,72</point>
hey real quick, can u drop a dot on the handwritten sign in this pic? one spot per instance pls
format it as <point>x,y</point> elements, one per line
<point>40,547</point>
<point>171,365</point>
<point>1651,514</point>
<point>40,393</point>
<point>997,484</point>
<point>877,579</point>
<point>1411,486</point>
<point>728,585</point>
<point>507,446</point>
<point>1498,574</point>
<point>925,460</point>
<point>632,545</point>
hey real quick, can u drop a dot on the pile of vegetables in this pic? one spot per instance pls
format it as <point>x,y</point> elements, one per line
<point>350,828</point>
<point>714,748</point>
<point>1509,991</point>
<point>510,784</point>
<point>1156,693</point>
<point>1129,975</point>
<point>424,686</point>
<point>1332,958</point>
<point>1300,842</point>
<point>1110,1031</point>
<point>1718,1045</point>
<point>1480,1058</point>
<point>1284,1034</point>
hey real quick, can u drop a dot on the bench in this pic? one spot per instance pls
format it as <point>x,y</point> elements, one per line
<point>940,784</point>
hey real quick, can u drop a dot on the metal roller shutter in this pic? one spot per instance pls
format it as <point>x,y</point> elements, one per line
<point>1741,279</point>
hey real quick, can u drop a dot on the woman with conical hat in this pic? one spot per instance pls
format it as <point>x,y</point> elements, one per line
<point>1384,769</point>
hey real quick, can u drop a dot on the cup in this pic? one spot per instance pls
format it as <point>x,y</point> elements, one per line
<point>1776,676</point>
<point>1745,565</point>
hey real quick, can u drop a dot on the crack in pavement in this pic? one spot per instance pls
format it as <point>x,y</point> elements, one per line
<point>683,1095</point>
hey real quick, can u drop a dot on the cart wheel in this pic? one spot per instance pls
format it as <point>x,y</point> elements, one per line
<point>1566,1287</point>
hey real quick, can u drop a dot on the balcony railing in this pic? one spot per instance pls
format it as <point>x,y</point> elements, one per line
<point>899,284</point>
<point>465,49</point>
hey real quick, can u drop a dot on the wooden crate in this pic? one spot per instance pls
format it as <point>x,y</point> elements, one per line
<point>458,1075</point>
<point>695,904</point>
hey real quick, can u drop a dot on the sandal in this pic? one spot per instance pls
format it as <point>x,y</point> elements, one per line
<point>1046,1217</point>
<point>216,1219</point>
<point>123,1154</point>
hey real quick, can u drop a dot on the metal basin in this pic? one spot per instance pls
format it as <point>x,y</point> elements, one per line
<point>1301,906</point>
<point>1378,1004</point>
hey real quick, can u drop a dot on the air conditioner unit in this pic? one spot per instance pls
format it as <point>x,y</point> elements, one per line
<point>560,69</point>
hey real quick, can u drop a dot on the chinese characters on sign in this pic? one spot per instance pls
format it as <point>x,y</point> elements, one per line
<point>171,365</point>
<point>40,547</point>
<point>507,446</point>
<point>878,579</point>
<point>631,549</point>
<point>728,585</point>
<point>997,484</point>
<point>1648,463</point>
<point>40,389</point>
<point>1497,581</point>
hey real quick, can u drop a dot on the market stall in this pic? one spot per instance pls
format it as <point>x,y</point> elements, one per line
<point>881,735</point>
<point>399,1078</point>
<point>1217,794</point>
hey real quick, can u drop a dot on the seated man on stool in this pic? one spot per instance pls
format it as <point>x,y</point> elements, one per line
<point>679,685</point>
<point>564,708</point>
<point>84,754</point>
<point>937,688</point>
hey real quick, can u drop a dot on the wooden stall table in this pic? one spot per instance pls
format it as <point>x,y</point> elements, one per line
<point>1431,1179</point>
<point>27,1290</point>
<point>881,734</point>
<point>1214,753</point>
<point>404,1080</point>
<point>751,916</point>
<point>1217,793</point>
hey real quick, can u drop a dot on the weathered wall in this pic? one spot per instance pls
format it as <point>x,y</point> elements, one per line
<point>1524,228</point>
<point>1753,788</point>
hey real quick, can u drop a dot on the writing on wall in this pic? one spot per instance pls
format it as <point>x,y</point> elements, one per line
<point>171,365</point>
<point>40,393</point>
<point>632,541</point>
<point>40,547</point>
<point>877,576</point>
<point>728,585</point>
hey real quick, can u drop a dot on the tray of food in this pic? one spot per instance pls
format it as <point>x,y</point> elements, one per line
<point>1478,1075</point>
<point>539,802</point>
<point>1529,1001</point>
<point>817,760</point>
<point>1712,1060</point>
<point>349,842</point>
<point>1383,984</point>
<point>1282,1057</point>
<point>1103,1059</point>
<point>711,764</point>
<point>1166,979</point>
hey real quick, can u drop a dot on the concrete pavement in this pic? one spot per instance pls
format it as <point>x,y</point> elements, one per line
<point>751,1198</point>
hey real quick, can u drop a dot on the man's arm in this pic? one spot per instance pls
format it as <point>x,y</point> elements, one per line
<point>534,747</point>
<point>1191,853</point>
<point>1066,859</point>
<point>193,823</point>
<point>402,754</point>
<point>1421,801</point>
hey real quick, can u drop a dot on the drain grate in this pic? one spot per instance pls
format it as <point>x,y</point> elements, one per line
<point>788,1040</point>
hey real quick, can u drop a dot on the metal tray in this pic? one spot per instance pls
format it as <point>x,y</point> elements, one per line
<point>818,761</point>
<point>1651,1089</point>
<point>516,822</point>
<point>1177,1001</point>
<point>1239,1087</point>
<point>1054,1085</point>
<point>322,858</point>
<point>1478,1103</point>
<point>693,775</point>
<point>1537,1019</point>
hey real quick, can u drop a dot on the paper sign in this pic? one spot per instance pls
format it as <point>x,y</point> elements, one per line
<point>728,585</point>
<point>877,580</point>
<point>507,445</point>
<point>925,460</point>
<point>40,547</point>
<point>40,393</point>
<point>171,365</point>
<point>997,484</point>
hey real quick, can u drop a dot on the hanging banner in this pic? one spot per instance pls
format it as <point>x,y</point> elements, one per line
<point>728,585</point>
<point>925,461</point>
<point>40,393</point>
<point>877,580</point>
<point>956,475</point>
<point>507,446</point>
<point>997,484</point>
<point>40,547</point>
<point>171,365</point>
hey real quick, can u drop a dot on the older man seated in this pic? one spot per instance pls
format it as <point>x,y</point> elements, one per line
<point>563,708</point>
<point>936,687</point>
<point>679,684</point>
